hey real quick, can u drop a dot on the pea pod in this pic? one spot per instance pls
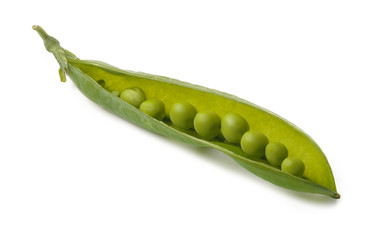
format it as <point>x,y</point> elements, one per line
<point>317,178</point>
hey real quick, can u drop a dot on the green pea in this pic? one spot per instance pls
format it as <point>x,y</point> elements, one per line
<point>101,82</point>
<point>233,126</point>
<point>293,166</point>
<point>253,143</point>
<point>207,124</point>
<point>134,96</point>
<point>276,153</point>
<point>182,114</point>
<point>154,108</point>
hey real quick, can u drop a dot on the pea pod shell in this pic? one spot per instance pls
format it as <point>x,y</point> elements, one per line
<point>320,183</point>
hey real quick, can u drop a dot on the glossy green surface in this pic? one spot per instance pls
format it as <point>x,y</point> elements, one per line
<point>134,96</point>
<point>276,153</point>
<point>233,126</point>
<point>154,108</point>
<point>207,124</point>
<point>318,177</point>
<point>293,166</point>
<point>182,114</point>
<point>253,143</point>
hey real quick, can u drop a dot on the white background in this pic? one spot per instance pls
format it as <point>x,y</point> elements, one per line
<point>71,170</point>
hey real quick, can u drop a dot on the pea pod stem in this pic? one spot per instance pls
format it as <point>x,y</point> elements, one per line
<point>86,73</point>
<point>53,46</point>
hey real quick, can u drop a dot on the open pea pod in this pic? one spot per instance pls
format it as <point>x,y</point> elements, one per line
<point>85,74</point>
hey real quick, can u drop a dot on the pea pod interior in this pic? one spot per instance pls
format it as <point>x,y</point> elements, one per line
<point>317,178</point>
